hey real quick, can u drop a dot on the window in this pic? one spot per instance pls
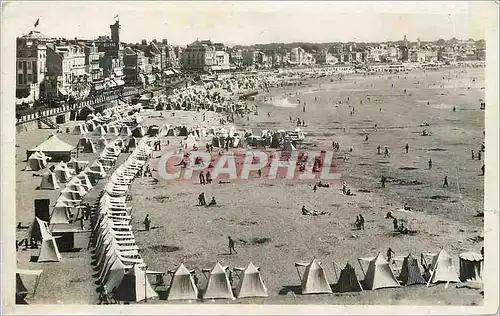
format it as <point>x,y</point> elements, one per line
<point>20,65</point>
<point>30,78</point>
<point>29,65</point>
<point>24,65</point>
<point>20,79</point>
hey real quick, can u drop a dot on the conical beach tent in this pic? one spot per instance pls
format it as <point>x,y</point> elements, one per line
<point>471,267</point>
<point>36,161</point>
<point>410,272</point>
<point>182,286</point>
<point>134,287</point>
<point>348,281</point>
<point>49,181</point>
<point>251,284</point>
<point>89,147</point>
<point>60,214</point>
<point>313,280</point>
<point>218,285</point>
<point>442,269</point>
<point>125,131</point>
<point>49,251</point>
<point>379,274</point>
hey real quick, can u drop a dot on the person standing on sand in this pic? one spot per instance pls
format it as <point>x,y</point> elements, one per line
<point>362,222</point>
<point>147,222</point>
<point>378,150</point>
<point>482,170</point>
<point>390,252</point>
<point>445,183</point>
<point>430,164</point>
<point>478,155</point>
<point>395,224</point>
<point>315,188</point>
<point>386,152</point>
<point>382,180</point>
<point>231,246</point>
<point>407,147</point>
<point>472,154</point>
<point>366,137</point>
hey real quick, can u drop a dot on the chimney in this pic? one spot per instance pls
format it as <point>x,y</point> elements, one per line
<point>144,42</point>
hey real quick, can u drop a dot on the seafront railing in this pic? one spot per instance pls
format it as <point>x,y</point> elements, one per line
<point>77,105</point>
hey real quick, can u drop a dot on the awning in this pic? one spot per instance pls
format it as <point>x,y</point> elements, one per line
<point>142,78</point>
<point>176,71</point>
<point>169,73</point>
<point>119,82</point>
<point>63,92</point>
<point>111,84</point>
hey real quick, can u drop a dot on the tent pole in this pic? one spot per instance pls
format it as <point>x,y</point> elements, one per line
<point>300,278</point>
<point>36,285</point>
<point>335,270</point>
<point>361,267</point>
<point>145,285</point>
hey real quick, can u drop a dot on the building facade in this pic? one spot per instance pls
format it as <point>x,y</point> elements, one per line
<point>205,56</point>
<point>31,60</point>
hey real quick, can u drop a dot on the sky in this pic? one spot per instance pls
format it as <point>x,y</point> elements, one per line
<point>254,22</point>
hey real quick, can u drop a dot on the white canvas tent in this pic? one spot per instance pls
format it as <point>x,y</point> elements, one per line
<point>62,173</point>
<point>19,282</point>
<point>89,147</point>
<point>182,286</point>
<point>80,130</point>
<point>442,269</point>
<point>99,131</point>
<point>54,148</point>
<point>251,284</point>
<point>60,214</point>
<point>288,146</point>
<point>190,141</point>
<point>379,273</point>
<point>125,131</point>
<point>218,285</point>
<point>49,251</point>
<point>102,143</point>
<point>134,286</point>
<point>313,280</point>
<point>37,161</point>
<point>49,181</point>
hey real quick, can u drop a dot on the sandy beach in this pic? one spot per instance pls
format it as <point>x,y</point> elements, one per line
<point>264,218</point>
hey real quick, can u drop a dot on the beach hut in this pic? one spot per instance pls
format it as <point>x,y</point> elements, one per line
<point>471,267</point>
<point>134,286</point>
<point>348,281</point>
<point>54,148</point>
<point>182,286</point>
<point>379,273</point>
<point>83,141</point>
<point>313,280</point>
<point>251,284</point>
<point>410,272</point>
<point>442,269</point>
<point>90,126</point>
<point>190,141</point>
<point>218,285</point>
<point>288,146</point>
<point>49,181</point>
